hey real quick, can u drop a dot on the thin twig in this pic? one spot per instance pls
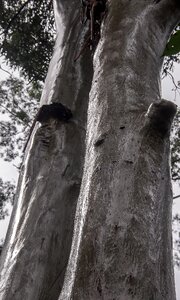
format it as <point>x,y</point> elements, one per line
<point>13,114</point>
<point>177,88</point>
<point>3,125</point>
<point>172,78</point>
<point>175,178</point>
<point>5,71</point>
<point>17,167</point>
<point>175,197</point>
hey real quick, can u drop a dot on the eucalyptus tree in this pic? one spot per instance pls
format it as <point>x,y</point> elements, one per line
<point>92,216</point>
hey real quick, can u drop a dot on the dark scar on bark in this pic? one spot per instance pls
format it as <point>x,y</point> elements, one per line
<point>93,11</point>
<point>100,140</point>
<point>161,115</point>
<point>129,161</point>
<point>56,111</point>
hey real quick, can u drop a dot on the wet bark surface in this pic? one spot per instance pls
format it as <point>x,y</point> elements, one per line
<point>39,239</point>
<point>121,248</point>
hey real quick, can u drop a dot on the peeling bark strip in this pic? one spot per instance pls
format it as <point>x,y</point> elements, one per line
<point>121,247</point>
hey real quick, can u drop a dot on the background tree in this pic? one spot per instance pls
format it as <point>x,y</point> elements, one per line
<point>19,104</point>
<point>175,149</point>
<point>27,32</point>
<point>7,190</point>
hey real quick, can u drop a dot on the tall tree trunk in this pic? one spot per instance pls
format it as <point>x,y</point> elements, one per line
<point>121,247</point>
<point>38,243</point>
<point>122,240</point>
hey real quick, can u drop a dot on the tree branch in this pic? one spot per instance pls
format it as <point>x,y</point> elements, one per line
<point>177,88</point>
<point>175,197</point>
<point>14,115</point>
<point>3,125</point>
<point>5,71</point>
<point>175,178</point>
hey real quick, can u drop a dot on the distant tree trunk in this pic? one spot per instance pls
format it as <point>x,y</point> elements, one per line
<point>39,238</point>
<point>121,247</point>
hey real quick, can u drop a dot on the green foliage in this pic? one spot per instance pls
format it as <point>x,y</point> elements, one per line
<point>172,52</point>
<point>18,103</point>
<point>176,242</point>
<point>27,35</point>
<point>7,191</point>
<point>173,46</point>
<point>175,149</point>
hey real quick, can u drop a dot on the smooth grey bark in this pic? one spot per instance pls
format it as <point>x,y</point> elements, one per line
<point>38,242</point>
<point>122,243</point>
<point>122,240</point>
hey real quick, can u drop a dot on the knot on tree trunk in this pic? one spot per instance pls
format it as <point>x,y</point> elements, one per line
<point>160,116</point>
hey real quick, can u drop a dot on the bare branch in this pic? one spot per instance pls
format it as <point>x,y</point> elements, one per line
<point>172,78</point>
<point>175,178</point>
<point>5,71</point>
<point>175,197</point>
<point>13,114</point>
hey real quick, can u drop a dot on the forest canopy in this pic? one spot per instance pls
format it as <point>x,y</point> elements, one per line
<point>27,33</point>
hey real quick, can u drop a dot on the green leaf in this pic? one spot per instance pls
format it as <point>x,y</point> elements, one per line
<point>173,46</point>
<point>22,115</point>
